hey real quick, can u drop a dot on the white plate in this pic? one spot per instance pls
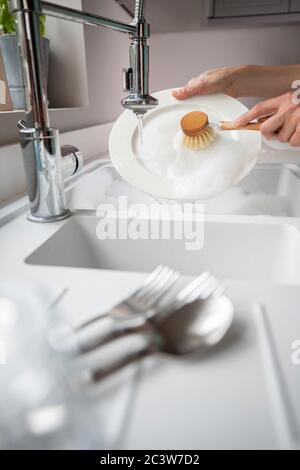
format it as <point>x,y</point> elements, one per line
<point>160,127</point>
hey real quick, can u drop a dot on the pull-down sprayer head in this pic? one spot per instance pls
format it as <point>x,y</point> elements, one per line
<point>136,78</point>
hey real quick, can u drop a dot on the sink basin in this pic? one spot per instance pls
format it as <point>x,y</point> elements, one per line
<point>270,189</point>
<point>246,251</point>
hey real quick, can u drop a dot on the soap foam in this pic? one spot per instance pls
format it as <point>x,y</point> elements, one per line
<point>235,201</point>
<point>105,186</point>
<point>203,174</point>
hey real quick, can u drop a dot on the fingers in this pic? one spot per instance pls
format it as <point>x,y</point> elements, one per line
<point>273,125</point>
<point>209,82</point>
<point>261,109</point>
<point>181,93</point>
<point>295,139</point>
<point>288,129</point>
<point>192,88</point>
<point>212,81</point>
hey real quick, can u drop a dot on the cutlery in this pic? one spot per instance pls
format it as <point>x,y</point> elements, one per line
<point>156,286</point>
<point>189,330</point>
<point>202,288</point>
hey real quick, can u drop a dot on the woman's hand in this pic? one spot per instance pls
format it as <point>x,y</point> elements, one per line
<point>223,80</point>
<point>258,81</point>
<point>284,124</point>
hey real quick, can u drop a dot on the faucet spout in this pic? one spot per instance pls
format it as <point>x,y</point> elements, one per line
<point>39,141</point>
<point>139,11</point>
<point>137,76</point>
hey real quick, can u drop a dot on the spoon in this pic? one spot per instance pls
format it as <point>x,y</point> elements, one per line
<point>190,329</point>
<point>109,329</point>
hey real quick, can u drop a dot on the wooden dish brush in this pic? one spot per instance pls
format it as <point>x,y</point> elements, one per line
<point>199,133</point>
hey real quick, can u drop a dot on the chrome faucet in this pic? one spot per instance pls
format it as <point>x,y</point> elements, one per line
<point>39,141</point>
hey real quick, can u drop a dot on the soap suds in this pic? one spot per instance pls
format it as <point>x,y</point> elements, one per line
<point>194,174</point>
<point>203,174</point>
<point>105,186</point>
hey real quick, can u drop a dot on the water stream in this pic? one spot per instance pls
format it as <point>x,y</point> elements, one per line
<point>141,135</point>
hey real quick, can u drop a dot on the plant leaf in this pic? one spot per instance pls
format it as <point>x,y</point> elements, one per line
<point>42,25</point>
<point>7,20</point>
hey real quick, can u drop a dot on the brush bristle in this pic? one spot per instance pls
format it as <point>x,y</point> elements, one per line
<point>202,141</point>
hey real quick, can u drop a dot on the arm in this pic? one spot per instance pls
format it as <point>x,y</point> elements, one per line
<point>246,80</point>
<point>268,81</point>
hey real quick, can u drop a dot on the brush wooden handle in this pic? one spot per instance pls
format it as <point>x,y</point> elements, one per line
<point>251,126</point>
<point>230,126</point>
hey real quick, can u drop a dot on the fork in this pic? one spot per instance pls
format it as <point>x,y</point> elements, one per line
<point>202,288</point>
<point>185,331</point>
<point>155,287</point>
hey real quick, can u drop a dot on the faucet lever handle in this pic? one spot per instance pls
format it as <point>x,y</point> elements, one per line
<point>127,79</point>
<point>72,160</point>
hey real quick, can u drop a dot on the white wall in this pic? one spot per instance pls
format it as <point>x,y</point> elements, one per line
<point>67,71</point>
<point>106,54</point>
<point>176,57</point>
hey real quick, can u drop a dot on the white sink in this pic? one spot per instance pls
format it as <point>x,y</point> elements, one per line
<point>246,251</point>
<point>269,190</point>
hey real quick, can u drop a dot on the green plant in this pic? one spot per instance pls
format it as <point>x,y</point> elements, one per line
<point>7,20</point>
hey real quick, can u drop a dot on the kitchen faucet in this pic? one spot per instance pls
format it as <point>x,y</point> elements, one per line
<point>39,141</point>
